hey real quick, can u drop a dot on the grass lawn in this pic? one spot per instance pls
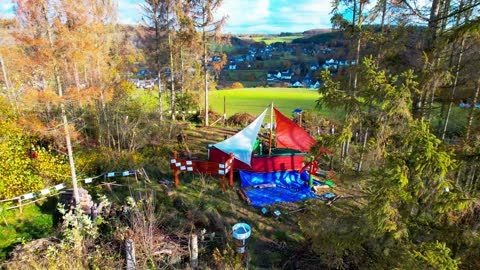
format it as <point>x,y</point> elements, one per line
<point>457,123</point>
<point>255,100</point>
<point>36,221</point>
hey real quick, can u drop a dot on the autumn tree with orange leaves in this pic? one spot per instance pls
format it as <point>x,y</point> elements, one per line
<point>66,44</point>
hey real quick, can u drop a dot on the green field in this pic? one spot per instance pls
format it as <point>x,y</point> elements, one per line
<point>255,100</point>
<point>272,39</point>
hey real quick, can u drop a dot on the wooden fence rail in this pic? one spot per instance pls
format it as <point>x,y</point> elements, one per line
<point>203,167</point>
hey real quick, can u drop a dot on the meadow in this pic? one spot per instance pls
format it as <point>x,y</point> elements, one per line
<point>272,39</point>
<point>255,100</point>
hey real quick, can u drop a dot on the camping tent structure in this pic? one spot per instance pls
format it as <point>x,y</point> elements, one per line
<point>278,176</point>
<point>242,143</point>
<point>292,144</point>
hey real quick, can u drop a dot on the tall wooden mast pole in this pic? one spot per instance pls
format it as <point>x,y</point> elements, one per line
<point>271,130</point>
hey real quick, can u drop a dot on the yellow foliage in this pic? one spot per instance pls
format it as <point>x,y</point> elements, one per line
<point>236,85</point>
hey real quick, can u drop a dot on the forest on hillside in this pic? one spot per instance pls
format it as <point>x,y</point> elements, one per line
<point>406,145</point>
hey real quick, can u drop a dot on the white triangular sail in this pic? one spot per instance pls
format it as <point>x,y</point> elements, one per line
<point>241,144</point>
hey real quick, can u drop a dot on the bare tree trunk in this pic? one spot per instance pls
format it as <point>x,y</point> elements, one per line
<point>62,107</point>
<point>182,89</point>
<point>85,78</point>
<point>455,81</point>
<point>433,24</point>
<point>204,39</point>
<point>468,183</point>
<point>432,99</point>
<point>472,181</point>
<point>384,11</point>
<point>357,61</point>
<point>76,77</point>
<point>359,44</point>
<point>472,110</point>
<point>172,74</point>
<point>429,46</point>
<point>459,173</point>
<point>105,119</point>
<point>160,98</point>
<point>7,83</point>
<point>4,71</point>
<point>359,168</point>
<point>382,28</point>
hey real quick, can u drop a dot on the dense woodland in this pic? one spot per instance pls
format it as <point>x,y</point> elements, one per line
<point>404,146</point>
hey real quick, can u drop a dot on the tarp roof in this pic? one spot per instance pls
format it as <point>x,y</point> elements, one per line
<point>291,135</point>
<point>241,144</point>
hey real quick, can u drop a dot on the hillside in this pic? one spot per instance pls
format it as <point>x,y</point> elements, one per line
<point>319,38</point>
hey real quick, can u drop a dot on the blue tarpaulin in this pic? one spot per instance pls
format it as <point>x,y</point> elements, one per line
<point>274,187</point>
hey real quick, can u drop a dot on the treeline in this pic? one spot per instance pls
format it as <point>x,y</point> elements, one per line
<point>415,163</point>
<point>66,68</point>
<point>323,38</point>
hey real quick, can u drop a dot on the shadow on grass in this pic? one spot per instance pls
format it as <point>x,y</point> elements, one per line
<point>49,207</point>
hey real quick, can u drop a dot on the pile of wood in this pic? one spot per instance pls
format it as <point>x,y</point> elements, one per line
<point>86,202</point>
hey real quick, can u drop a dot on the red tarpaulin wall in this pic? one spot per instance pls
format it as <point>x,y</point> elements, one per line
<point>291,135</point>
<point>265,163</point>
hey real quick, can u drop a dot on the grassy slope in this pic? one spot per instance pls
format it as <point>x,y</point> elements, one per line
<point>272,39</point>
<point>255,100</point>
<point>35,222</point>
<point>320,38</point>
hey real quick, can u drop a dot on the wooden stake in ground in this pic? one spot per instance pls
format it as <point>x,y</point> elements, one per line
<point>175,172</point>
<point>194,250</point>
<point>130,254</point>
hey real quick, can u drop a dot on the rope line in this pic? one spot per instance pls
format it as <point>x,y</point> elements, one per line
<point>56,188</point>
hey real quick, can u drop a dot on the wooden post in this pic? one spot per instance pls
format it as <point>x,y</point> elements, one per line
<point>300,119</point>
<point>175,171</point>
<point>310,173</point>
<point>130,254</point>
<point>20,205</point>
<point>271,130</point>
<point>194,255</point>
<point>231,170</point>
<point>223,175</point>
<point>223,183</point>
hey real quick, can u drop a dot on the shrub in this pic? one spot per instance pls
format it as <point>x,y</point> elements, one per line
<point>236,85</point>
<point>240,119</point>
